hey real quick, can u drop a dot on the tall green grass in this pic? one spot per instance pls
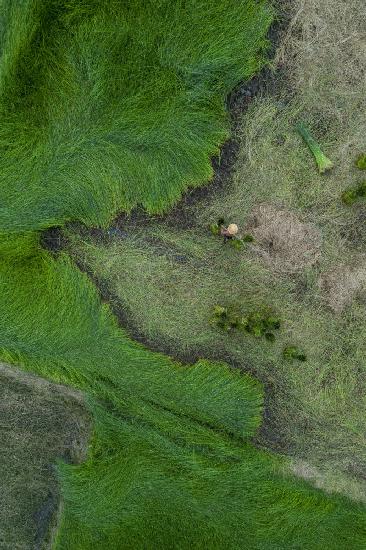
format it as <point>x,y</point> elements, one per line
<point>105,105</point>
<point>170,463</point>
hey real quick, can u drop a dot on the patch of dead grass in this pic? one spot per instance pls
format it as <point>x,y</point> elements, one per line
<point>40,422</point>
<point>343,284</point>
<point>329,481</point>
<point>282,239</point>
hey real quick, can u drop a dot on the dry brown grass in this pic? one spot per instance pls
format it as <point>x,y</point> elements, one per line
<point>285,243</point>
<point>344,284</point>
<point>40,422</point>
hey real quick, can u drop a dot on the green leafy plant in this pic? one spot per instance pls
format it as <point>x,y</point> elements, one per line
<point>258,323</point>
<point>323,162</point>
<point>351,195</point>
<point>225,318</point>
<point>215,227</point>
<point>236,243</point>
<point>261,324</point>
<point>361,162</point>
<point>294,353</point>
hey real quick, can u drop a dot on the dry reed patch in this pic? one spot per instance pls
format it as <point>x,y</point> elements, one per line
<point>328,480</point>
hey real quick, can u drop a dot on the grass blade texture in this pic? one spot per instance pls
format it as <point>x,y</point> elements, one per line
<point>170,463</point>
<point>104,106</point>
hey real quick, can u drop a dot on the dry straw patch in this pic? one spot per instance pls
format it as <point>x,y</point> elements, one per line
<point>327,480</point>
<point>342,285</point>
<point>282,239</point>
<point>40,422</point>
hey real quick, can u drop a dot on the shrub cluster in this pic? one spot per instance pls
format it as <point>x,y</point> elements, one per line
<point>258,323</point>
<point>353,194</point>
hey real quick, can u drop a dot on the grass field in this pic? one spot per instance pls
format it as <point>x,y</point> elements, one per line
<point>112,106</point>
<point>170,460</point>
<point>106,106</point>
<point>307,261</point>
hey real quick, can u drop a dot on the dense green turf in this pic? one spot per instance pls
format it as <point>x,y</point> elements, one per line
<point>105,105</point>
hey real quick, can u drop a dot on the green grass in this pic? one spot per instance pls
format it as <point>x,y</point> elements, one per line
<point>171,305</point>
<point>105,106</point>
<point>170,463</point>
<point>315,409</point>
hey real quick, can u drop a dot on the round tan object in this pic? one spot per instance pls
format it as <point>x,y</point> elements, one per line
<point>232,229</point>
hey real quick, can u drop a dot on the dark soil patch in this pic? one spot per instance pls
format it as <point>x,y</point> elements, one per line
<point>43,517</point>
<point>53,239</point>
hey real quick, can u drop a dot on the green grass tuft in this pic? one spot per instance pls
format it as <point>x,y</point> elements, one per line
<point>361,162</point>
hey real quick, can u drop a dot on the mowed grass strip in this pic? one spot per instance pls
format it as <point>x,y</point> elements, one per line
<point>40,422</point>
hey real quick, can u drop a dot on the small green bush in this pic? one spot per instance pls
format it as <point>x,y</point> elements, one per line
<point>261,324</point>
<point>293,352</point>
<point>236,243</point>
<point>351,195</point>
<point>258,324</point>
<point>361,189</point>
<point>215,229</point>
<point>361,162</point>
